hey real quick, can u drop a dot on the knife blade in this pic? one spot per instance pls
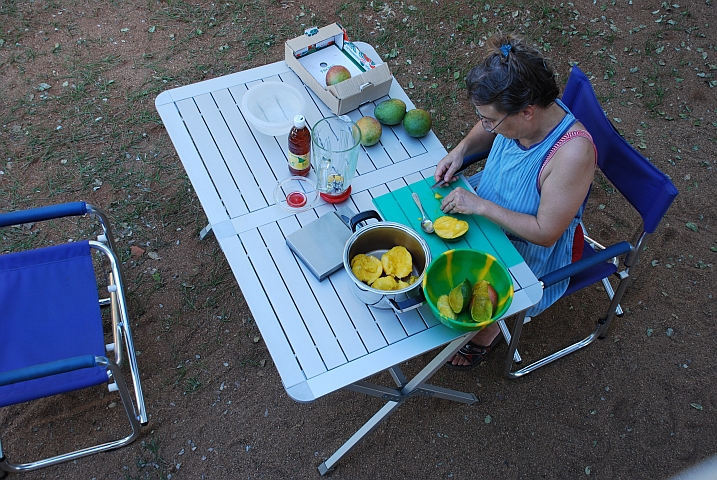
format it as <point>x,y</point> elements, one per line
<point>437,184</point>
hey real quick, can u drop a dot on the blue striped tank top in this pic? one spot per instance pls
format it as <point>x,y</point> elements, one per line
<point>510,180</point>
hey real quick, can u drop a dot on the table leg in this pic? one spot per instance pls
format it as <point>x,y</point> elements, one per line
<point>506,334</point>
<point>368,427</point>
<point>205,231</point>
<point>414,387</point>
<point>397,376</point>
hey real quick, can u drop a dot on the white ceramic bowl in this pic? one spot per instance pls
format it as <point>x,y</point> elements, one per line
<point>271,107</point>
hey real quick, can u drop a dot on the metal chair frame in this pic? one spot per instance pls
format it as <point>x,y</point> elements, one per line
<point>122,346</point>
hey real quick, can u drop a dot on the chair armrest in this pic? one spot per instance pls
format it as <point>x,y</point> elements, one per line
<point>47,369</point>
<point>571,269</point>
<point>43,213</point>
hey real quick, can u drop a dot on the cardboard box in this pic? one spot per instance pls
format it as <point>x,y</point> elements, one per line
<point>310,57</point>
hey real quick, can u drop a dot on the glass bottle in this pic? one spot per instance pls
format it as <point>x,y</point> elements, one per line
<point>299,147</point>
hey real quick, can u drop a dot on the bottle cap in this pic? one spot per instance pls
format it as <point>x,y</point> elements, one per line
<point>299,121</point>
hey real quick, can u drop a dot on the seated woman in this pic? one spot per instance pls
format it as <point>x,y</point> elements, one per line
<point>538,173</point>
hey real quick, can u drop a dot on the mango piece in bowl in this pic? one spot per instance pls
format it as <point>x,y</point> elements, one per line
<point>444,307</point>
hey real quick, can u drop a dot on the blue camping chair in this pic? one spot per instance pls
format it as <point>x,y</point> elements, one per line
<point>645,187</point>
<point>51,329</point>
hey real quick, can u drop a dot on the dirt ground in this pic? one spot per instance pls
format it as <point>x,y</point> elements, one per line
<point>77,121</point>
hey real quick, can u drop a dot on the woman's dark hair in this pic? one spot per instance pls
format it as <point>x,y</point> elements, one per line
<point>512,76</point>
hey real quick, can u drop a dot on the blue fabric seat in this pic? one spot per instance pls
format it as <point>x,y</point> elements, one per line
<point>649,191</point>
<point>49,300</point>
<point>51,330</point>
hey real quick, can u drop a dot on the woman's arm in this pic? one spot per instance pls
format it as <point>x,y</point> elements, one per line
<point>565,183</point>
<point>477,140</point>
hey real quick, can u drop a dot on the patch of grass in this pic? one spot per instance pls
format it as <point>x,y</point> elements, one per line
<point>192,384</point>
<point>149,463</point>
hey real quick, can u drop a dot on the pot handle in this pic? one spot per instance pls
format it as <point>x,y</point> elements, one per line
<point>409,304</point>
<point>363,216</point>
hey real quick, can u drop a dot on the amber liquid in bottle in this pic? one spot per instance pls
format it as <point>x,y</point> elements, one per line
<point>299,147</point>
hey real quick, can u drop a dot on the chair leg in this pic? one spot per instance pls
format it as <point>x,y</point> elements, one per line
<point>506,334</point>
<point>611,293</point>
<point>508,366</point>
<point>132,416</point>
<point>614,304</point>
<point>600,332</point>
<point>3,472</point>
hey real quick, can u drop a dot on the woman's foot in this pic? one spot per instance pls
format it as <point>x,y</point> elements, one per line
<point>475,351</point>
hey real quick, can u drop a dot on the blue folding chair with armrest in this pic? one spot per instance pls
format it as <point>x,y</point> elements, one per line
<point>51,330</point>
<point>647,189</point>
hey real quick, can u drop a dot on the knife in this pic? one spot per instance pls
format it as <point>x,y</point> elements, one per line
<point>437,184</point>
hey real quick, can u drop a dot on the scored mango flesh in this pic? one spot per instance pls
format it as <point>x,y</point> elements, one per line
<point>403,284</point>
<point>366,268</point>
<point>449,227</point>
<point>397,262</point>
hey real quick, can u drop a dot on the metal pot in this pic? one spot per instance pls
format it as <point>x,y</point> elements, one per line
<point>376,239</point>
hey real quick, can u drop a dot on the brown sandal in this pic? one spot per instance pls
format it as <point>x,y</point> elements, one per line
<point>475,354</point>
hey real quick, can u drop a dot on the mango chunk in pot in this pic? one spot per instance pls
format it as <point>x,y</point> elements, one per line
<point>385,283</point>
<point>397,262</point>
<point>366,268</point>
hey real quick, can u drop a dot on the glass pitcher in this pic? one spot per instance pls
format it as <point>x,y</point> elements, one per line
<point>335,148</point>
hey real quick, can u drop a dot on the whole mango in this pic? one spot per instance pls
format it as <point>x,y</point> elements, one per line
<point>337,74</point>
<point>417,122</point>
<point>370,131</point>
<point>390,112</point>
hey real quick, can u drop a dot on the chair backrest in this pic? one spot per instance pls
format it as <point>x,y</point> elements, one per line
<point>639,181</point>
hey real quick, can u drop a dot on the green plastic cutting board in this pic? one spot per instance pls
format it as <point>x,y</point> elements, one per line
<point>484,235</point>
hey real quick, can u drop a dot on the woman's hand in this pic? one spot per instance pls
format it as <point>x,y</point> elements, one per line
<point>462,201</point>
<point>477,140</point>
<point>448,166</point>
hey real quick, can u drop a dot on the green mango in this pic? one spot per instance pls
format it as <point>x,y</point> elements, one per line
<point>390,112</point>
<point>417,122</point>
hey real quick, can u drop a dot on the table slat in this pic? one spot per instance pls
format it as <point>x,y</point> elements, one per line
<point>300,288</point>
<point>239,128</point>
<point>361,316</point>
<point>201,181</point>
<point>290,319</point>
<point>269,326</point>
<point>229,146</point>
<point>411,322</point>
<point>212,159</point>
<point>331,304</point>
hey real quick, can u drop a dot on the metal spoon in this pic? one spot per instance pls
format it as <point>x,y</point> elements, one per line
<point>426,223</point>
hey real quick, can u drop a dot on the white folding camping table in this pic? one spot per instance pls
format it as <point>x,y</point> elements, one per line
<point>320,336</point>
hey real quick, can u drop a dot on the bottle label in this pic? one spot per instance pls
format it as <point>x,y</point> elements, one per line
<point>299,162</point>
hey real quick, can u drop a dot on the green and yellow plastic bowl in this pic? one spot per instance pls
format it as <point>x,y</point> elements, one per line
<point>454,266</point>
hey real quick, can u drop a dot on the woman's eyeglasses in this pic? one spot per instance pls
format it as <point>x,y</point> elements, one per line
<point>487,124</point>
